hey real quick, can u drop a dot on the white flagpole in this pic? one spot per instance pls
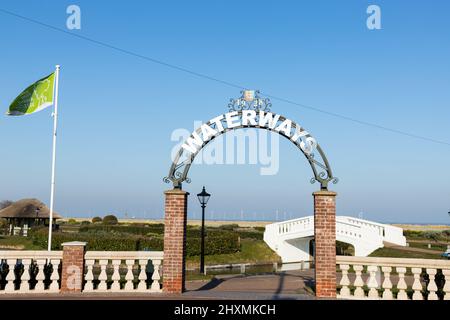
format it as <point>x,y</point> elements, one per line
<point>52,192</point>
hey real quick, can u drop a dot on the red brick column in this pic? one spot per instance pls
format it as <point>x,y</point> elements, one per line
<point>325,243</point>
<point>174,240</point>
<point>72,274</point>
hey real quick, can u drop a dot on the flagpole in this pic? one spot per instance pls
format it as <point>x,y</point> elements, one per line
<point>52,190</point>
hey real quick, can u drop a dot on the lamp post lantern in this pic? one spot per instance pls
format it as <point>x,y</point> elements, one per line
<point>203,198</point>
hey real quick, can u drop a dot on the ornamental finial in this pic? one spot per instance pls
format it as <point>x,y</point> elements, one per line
<point>250,100</point>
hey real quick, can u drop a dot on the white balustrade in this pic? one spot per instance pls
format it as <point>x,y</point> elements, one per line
<point>22,267</point>
<point>122,266</point>
<point>407,275</point>
<point>106,271</point>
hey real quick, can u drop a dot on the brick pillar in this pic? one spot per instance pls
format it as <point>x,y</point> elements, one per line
<point>325,243</point>
<point>72,274</point>
<point>174,240</point>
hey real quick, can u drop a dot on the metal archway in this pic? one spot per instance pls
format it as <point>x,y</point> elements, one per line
<point>320,166</point>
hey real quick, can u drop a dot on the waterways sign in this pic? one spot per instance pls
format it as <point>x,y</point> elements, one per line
<point>250,111</point>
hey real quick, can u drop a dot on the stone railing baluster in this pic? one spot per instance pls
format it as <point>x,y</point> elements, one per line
<point>345,281</point>
<point>40,277</point>
<point>401,285</point>
<point>359,283</point>
<point>446,288</point>
<point>417,285</point>
<point>11,276</point>
<point>25,278</point>
<point>156,287</point>
<point>103,277</point>
<point>372,283</point>
<point>432,287</point>
<point>142,286</point>
<point>129,277</point>
<point>115,286</point>
<point>89,285</point>
<point>387,284</point>
<point>54,277</point>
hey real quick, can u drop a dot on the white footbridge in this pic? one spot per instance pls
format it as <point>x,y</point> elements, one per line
<point>291,239</point>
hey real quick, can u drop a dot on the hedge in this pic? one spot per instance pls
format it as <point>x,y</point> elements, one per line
<point>111,242</point>
<point>98,241</point>
<point>132,229</point>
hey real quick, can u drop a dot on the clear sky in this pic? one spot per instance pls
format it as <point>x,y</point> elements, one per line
<point>118,111</point>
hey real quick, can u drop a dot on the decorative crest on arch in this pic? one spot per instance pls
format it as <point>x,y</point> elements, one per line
<point>250,100</point>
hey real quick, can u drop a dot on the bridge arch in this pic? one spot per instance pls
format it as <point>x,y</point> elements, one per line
<point>249,111</point>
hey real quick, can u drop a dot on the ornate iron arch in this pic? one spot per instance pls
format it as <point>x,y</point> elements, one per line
<point>250,100</point>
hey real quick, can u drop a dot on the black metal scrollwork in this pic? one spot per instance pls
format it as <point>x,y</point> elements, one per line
<point>251,101</point>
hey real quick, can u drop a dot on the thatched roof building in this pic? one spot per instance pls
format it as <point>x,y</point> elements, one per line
<point>28,208</point>
<point>25,213</point>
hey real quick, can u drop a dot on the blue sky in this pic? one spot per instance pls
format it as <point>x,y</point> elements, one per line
<point>117,112</point>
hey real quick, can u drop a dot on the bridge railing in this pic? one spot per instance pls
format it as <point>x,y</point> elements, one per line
<point>393,278</point>
<point>345,226</point>
<point>293,226</point>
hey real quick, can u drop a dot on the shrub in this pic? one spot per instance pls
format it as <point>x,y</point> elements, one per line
<point>446,233</point>
<point>213,245</point>
<point>131,229</point>
<point>85,222</point>
<point>230,227</point>
<point>96,219</point>
<point>72,221</point>
<point>260,229</point>
<point>103,241</point>
<point>431,235</point>
<point>251,235</point>
<point>110,219</point>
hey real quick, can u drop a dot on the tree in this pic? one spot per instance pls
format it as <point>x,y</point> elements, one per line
<point>110,219</point>
<point>5,203</point>
<point>96,220</point>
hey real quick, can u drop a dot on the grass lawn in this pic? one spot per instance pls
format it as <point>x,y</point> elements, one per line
<point>395,253</point>
<point>17,243</point>
<point>252,251</point>
<point>434,246</point>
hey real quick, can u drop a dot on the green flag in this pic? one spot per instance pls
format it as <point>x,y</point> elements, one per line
<point>36,97</point>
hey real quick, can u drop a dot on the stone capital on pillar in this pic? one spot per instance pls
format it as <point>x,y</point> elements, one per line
<point>325,243</point>
<point>174,241</point>
<point>176,191</point>
<point>325,193</point>
<point>72,274</point>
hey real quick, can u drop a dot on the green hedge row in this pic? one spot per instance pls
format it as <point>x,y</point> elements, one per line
<point>133,229</point>
<point>191,232</point>
<point>111,242</point>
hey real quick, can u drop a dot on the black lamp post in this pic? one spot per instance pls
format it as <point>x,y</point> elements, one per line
<point>203,197</point>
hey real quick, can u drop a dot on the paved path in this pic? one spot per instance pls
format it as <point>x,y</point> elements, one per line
<point>291,285</point>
